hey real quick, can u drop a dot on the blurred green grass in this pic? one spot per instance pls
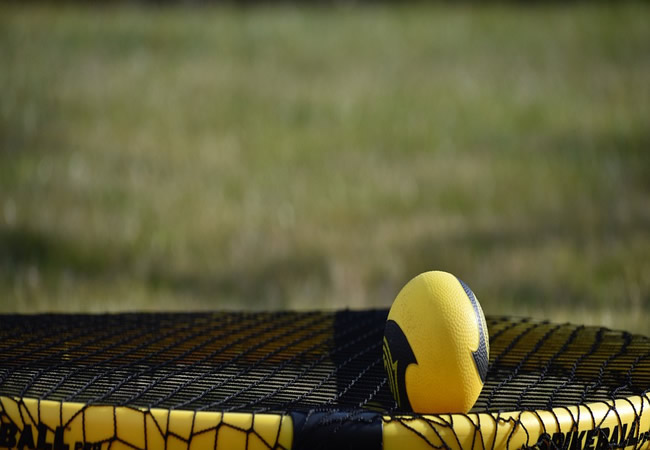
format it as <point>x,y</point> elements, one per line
<point>293,157</point>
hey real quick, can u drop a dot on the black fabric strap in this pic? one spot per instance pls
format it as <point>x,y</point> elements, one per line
<point>339,430</point>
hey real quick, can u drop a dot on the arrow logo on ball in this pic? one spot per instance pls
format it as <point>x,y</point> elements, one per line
<point>395,343</point>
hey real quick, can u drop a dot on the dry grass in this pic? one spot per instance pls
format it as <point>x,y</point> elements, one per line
<point>318,158</point>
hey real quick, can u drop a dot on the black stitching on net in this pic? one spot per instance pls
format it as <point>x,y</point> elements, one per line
<point>306,369</point>
<point>135,349</point>
<point>154,368</point>
<point>512,344</point>
<point>627,338</point>
<point>596,344</point>
<point>543,370</point>
<point>34,332</point>
<point>228,344</point>
<point>41,363</point>
<point>516,370</point>
<point>324,380</point>
<point>509,325</point>
<point>365,334</point>
<point>256,364</point>
<point>99,351</point>
<point>214,338</point>
<point>241,372</point>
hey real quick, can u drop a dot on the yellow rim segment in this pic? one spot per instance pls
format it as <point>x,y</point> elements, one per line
<point>570,427</point>
<point>94,427</point>
<point>97,427</point>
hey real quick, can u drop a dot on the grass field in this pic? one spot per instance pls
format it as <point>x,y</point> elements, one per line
<point>283,157</point>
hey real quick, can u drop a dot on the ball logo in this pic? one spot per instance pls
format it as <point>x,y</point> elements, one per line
<point>480,355</point>
<point>395,343</point>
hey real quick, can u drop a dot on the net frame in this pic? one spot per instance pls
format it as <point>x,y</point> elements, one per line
<point>303,380</point>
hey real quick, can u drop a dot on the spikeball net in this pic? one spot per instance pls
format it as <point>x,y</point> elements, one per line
<point>304,380</point>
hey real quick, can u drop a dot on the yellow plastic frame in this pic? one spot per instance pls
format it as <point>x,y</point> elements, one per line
<point>33,423</point>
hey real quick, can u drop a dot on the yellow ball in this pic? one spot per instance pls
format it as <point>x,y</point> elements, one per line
<point>436,345</point>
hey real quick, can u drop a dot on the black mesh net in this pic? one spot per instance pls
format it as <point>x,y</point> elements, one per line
<point>284,362</point>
